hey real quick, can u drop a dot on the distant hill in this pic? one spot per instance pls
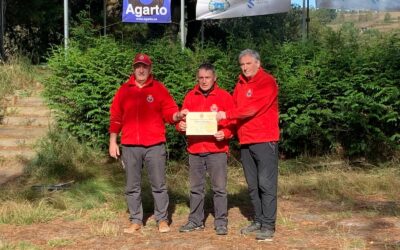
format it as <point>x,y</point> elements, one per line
<point>382,21</point>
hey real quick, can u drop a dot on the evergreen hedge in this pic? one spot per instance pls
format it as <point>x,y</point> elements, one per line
<point>339,92</point>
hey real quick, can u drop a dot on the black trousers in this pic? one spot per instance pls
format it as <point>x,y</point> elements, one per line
<point>260,165</point>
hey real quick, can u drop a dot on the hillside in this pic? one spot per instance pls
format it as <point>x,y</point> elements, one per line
<point>382,21</point>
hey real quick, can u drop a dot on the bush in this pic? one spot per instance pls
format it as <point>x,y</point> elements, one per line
<point>339,90</point>
<point>85,80</point>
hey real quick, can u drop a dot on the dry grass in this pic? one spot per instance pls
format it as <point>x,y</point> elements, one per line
<point>99,198</point>
<point>106,229</point>
<point>16,74</point>
<point>59,242</point>
<point>346,185</point>
<point>24,212</point>
<point>22,245</point>
<point>102,214</point>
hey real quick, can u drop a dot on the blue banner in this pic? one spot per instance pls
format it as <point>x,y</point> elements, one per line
<point>146,11</point>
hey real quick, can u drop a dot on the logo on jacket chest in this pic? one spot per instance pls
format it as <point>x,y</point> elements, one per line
<point>150,99</point>
<point>249,93</point>
<point>214,108</point>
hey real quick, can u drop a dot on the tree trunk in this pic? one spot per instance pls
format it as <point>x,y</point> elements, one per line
<point>2,28</point>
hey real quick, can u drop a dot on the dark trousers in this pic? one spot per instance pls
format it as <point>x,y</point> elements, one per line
<point>260,164</point>
<point>216,166</point>
<point>154,158</point>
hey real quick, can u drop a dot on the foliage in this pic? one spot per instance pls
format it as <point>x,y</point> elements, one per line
<point>86,77</point>
<point>339,91</point>
<point>248,31</point>
<point>32,27</point>
<point>324,16</point>
<point>60,157</point>
<point>83,84</point>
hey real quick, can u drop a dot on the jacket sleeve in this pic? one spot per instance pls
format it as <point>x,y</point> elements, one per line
<point>169,106</point>
<point>116,113</point>
<point>184,106</point>
<point>263,97</point>
<point>228,125</point>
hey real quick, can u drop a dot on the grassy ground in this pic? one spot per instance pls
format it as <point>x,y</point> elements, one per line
<point>320,200</point>
<point>99,183</point>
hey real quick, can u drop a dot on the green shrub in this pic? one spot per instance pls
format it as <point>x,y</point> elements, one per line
<point>342,90</point>
<point>337,91</point>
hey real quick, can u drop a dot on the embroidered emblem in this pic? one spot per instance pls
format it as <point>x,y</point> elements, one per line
<point>141,57</point>
<point>150,98</point>
<point>214,108</point>
<point>249,93</point>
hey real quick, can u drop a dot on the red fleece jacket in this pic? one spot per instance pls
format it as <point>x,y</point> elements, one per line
<point>217,100</point>
<point>140,113</point>
<point>256,108</point>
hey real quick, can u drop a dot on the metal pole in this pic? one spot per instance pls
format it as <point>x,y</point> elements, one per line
<point>308,16</point>
<point>183,24</point>
<point>105,17</point>
<point>66,36</point>
<point>202,33</point>
<point>303,23</point>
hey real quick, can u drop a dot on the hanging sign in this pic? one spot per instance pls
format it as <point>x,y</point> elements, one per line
<point>146,11</point>
<point>216,9</point>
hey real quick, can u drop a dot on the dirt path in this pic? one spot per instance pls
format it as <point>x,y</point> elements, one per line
<point>302,224</point>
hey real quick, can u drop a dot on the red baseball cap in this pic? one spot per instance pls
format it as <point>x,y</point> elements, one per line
<point>142,58</point>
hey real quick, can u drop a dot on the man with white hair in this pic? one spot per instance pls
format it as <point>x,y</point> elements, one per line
<point>257,122</point>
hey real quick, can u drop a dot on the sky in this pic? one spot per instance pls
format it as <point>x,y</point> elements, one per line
<point>300,2</point>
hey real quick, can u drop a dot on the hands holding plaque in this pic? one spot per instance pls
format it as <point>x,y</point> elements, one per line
<point>200,123</point>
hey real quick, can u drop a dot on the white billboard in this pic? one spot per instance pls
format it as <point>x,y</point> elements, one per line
<point>217,9</point>
<point>359,4</point>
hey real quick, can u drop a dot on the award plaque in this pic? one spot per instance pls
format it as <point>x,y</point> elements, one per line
<point>201,123</point>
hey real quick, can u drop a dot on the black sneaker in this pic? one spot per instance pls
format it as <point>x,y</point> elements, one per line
<point>190,226</point>
<point>221,230</point>
<point>253,227</point>
<point>265,235</point>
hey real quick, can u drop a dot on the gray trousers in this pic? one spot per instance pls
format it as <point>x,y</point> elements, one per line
<point>216,166</point>
<point>260,165</point>
<point>154,158</point>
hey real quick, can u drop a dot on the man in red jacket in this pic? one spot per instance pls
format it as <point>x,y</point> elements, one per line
<point>208,153</point>
<point>257,121</point>
<point>139,111</point>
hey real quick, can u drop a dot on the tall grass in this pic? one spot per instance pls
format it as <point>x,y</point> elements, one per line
<point>374,189</point>
<point>16,74</point>
<point>61,157</point>
<point>22,245</point>
<point>24,212</point>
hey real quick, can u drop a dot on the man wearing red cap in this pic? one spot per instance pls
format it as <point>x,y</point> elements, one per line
<point>139,110</point>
